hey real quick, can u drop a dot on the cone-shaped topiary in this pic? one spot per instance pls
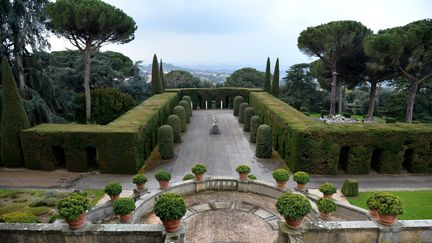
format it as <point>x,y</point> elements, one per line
<point>255,122</point>
<point>237,101</point>
<point>174,122</point>
<point>248,113</point>
<point>161,75</point>
<point>166,141</point>
<point>14,119</point>
<point>189,100</point>
<point>181,113</point>
<point>264,142</point>
<point>275,84</point>
<point>156,82</point>
<point>187,108</point>
<point>242,108</point>
<point>267,84</point>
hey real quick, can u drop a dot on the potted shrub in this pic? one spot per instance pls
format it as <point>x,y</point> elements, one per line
<point>326,206</point>
<point>139,180</point>
<point>252,176</point>
<point>72,208</point>
<point>328,189</point>
<point>373,205</point>
<point>281,177</point>
<point>243,171</point>
<point>113,189</point>
<point>163,177</point>
<point>390,206</point>
<point>199,170</point>
<point>302,178</point>
<point>124,207</point>
<point>170,208</point>
<point>293,207</point>
<point>188,177</point>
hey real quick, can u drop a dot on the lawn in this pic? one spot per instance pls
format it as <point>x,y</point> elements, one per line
<point>418,204</point>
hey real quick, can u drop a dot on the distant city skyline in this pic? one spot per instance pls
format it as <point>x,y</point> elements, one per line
<point>244,33</point>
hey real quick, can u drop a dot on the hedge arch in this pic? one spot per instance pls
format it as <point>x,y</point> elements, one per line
<point>248,113</point>
<point>264,142</point>
<point>166,142</point>
<point>174,122</point>
<point>187,108</point>
<point>255,122</point>
<point>181,113</point>
<point>242,108</point>
<point>237,101</point>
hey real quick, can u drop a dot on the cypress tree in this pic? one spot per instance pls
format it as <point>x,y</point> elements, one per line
<point>14,119</point>
<point>161,73</point>
<point>275,84</point>
<point>267,77</point>
<point>156,82</point>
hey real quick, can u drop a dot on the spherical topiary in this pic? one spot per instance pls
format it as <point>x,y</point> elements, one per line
<point>189,100</point>
<point>248,113</point>
<point>174,122</point>
<point>199,169</point>
<point>124,206</point>
<point>139,179</point>
<point>301,177</point>
<point>166,142</point>
<point>163,175</point>
<point>389,204</point>
<point>181,113</point>
<point>293,206</point>
<point>188,177</point>
<point>326,205</point>
<point>113,188</point>
<point>72,206</point>
<point>264,142</point>
<point>327,188</point>
<point>187,108</point>
<point>243,169</point>
<point>242,108</point>
<point>170,206</point>
<point>281,175</point>
<point>237,101</point>
<point>255,122</point>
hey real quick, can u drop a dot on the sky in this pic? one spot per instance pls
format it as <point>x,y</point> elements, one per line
<point>241,33</point>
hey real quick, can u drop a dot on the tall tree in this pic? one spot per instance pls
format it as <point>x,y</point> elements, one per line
<point>267,85</point>
<point>156,82</point>
<point>182,79</point>
<point>246,77</point>
<point>331,42</point>
<point>161,73</point>
<point>275,84</point>
<point>89,24</point>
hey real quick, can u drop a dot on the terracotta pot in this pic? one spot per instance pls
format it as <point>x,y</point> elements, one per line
<point>140,186</point>
<point>125,217</point>
<point>373,213</point>
<point>171,225</point>
<point>114,197</point>
<point>199,177</point>
<point>243,176</point>
<point>294,223</point>
<point>325,216</point>
<point>300,186</point>
<point>77,223</point>
<point>328,195</point>
<point>281,184</point>
<point>387,219</point>
<point>163,184</point>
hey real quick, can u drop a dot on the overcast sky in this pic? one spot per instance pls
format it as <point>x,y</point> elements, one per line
<point>244,32</point>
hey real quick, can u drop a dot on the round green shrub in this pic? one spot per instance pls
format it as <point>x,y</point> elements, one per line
<point>301,177</point>
<point>162,175</point>
<point>326,205</point>
<point>187,108</point>
<point>199,169</point>
<point>170,206</point>
<point>181,113</point>
<point>189,100</point>
<point>390,204</point>
<point>139,179</point>
<point>73,206</point>
<point>248,113</point>
<point>166,142</point>
<point>237,101</point>
<point>263,148</point>
<point>242,108</point>
<point>19,217</point>
<point>174,122</point>
<point>252,176</point>
<point>293,206</point>
<point>188,177</point>
<point>327,188</point>
<point>243,169</point>
<point>113,188</point>
<point>372,201</point>
<point>255,122</point>
<point>124,206</point>
<point>281,175</point>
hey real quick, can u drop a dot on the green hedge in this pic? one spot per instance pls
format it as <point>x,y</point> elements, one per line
<point>187,108</point>
<point>180,111</point>
<point>237,101</point>
<point>255,122</point>
<point>242,108</point>
<point>189,100</point>
<point>174,122</point>
<point>166,142</point>
<point>248,113</point>
<point>264,142</point>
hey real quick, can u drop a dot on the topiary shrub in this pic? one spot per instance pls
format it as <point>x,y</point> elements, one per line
<point>166,142</point>
<point>243,169</point>
<point>350,187</point>
<point>187,108</point>
<point>113,188</point>
<point>163,175</point>
<point>281,175</point>
<point>301,177</point>
<point>347,114</point>
<point>390,120</point>
<point>188,177</point>
<point>326,205</point>
<point>19,217</point>
<point>242,108</point>
<point>237,101</point>
<point>324,113</point>
<point>327,188</point>
<point>248,113</point>
<point>255,122</point>
<point>181,113</point>
<point>123,206</point>
<point>170,206</point>
<point>389,204</point>
<point>72,206</point>
<point>252,176</point>
<point>264,142</point>
<point>189,100</point>
<point>372,202</point>
<point>174,122</point>
<point>139,179</point>
<point>199,169</point>
<point>293,206</point>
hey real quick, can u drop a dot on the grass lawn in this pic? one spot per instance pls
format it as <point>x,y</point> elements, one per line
<point>418,204</point>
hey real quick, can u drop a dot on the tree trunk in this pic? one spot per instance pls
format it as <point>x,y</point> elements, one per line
<point>87,64</point>
<point>372,99</point>
<point>340,93</point>
<point>333,93</point>
<point>411,99</point>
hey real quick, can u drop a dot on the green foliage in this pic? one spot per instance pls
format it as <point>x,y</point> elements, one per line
<point>38,210</point>
<point>19,217</point>
<point>242,108</point>
<point>237,101</point>
<point>156,81</point>
<point>293,206</point>
<point>255,122</point>
<point>188,177</point>
<point>182,79</point>
<point>174,122</point>
<point>324,113</point>
<point>166,142</point>
<point>54,218</point>
<point>181,113</point>
<point>350,188</point>
<point>248,113</point>
<point>373,201</point>
<point>267,85</point>
<point>301,177</point>
<point>161,75</point>
<point>124,206</point>
<point>347,114</point>
<point>390,204</point>
<point>187,108</point>
<point>247,78</point>
<point>252,176</point>
<point>189,100</point>
<point>170,206</point>
<point>139,179</point>
<point>243,169</point>
<point>327,188</point>
<point>163,175</point>
<point>73,206</point>
<point>281,175</point>
<point>275,83</point>
<point>390,120</point>
<point>326,205</point>
<point>199,169</point>
<point>264,142</point>
<point>113,188</point>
